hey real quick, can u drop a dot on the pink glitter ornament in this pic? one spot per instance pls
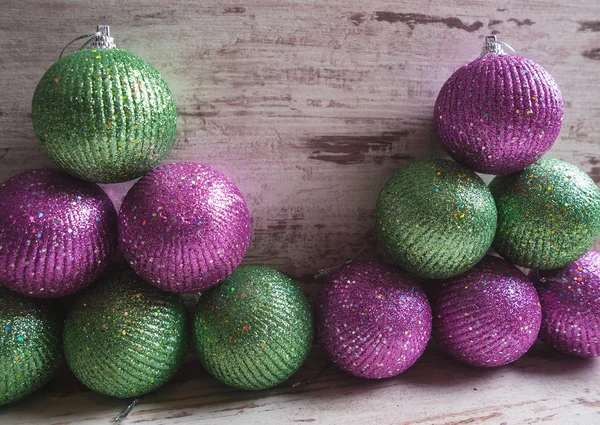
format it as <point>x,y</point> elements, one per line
<point>499,113</point>
<point>184,227</point>
<point>57,233</point>
<point>570,299</point>
<point>373,320</point>
<point>489,316</point>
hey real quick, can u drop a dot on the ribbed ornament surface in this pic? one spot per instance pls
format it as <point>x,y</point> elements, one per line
<point>548,214</point>
<point>435,218</point>
<point>125,338</point>
<point>253,330</point>
<point>184,227</point>
<point>570,299</point>
<point>57,233</point>
<point>104,115</point>
<point>373,320</point>
<point>487,317</point>
<point>30,345</point>
<point>499,113</point>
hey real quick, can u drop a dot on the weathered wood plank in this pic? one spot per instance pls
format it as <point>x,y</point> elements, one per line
<point>542,387</point>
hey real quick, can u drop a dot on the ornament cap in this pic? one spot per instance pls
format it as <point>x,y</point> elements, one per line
<point>493,45</point>
<point>102,39</point>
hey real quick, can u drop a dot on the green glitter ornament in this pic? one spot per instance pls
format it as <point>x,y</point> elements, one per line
<point>103,114</point>
<point>254,329</point>
<point>125,338</point>
<point>548,214</point>
<point>435,218</point>
<point>30,345</point>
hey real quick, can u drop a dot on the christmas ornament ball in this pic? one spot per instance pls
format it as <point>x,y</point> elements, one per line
<point>570,299</point>
<point>253,330</point>
<point>499,113</point>
<point>57,233</point>
<point>125,338</point>
<point>30,345</point>
<point>184,227</point>
<point>548,214</point>
<point>104,115</point>
<point>373,320</point>
<point>435,218</point>
<point>487,317</point>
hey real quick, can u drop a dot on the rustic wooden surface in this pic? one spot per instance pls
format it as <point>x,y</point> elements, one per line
<point>309,106</point>
<point>541,388</point>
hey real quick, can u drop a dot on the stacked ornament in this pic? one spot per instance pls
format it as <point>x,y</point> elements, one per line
<point>436,220</point>
<point>104,115</point>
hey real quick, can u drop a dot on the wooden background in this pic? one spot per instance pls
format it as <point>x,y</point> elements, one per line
<point>310,106</point>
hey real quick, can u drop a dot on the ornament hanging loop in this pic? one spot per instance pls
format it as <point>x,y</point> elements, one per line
<point>493,45</point>
<point>101,39</point>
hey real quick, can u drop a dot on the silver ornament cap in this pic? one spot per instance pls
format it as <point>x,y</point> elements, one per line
<point>102,39</point>
<point>493,45</point>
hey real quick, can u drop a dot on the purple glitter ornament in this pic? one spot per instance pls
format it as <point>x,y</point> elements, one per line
<point>184,227</point>
<point>487,317</point>
<point>499,113</point>
<point>57,233</point>
<point>570,299</point>
<point>373,320</point>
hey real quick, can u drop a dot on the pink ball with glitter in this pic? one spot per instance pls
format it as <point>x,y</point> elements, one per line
<point>373,320</point>
<point>487,317</point>
<point>57,233</point>
<point>184,227</point>
<point>570,299</point>
<point>499,113</point>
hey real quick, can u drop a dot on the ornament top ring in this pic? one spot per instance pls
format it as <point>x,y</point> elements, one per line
<point>103,114</point>
<point>499,113</point>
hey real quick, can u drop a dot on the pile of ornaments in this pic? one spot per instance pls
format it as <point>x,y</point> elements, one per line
<point>436,220</point>
<point>104,115</point>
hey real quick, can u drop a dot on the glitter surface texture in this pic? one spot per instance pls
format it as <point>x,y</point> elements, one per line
<point>489,316</point>
<point>435,218</point>
<point>104,115</point>
<point>30,345</point>
<point>57,233</point>
<point>499,113</point>
<point>184,227</point>
<point>570,300</point>
<point>548,214</point>
<point>254,330</point>
<point>125,338</point>
<point>373,320</point>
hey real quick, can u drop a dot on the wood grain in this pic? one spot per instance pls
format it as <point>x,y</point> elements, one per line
<point>310,106</point>
<point>541,388</point>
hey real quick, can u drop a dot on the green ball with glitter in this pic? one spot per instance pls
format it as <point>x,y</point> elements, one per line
<point>548,214</point>
<point>124,337</point>
<point>104,115</point>
<point>30,345</point>
<point>253,330</point>
<point>435,218</point>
